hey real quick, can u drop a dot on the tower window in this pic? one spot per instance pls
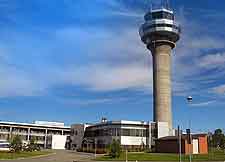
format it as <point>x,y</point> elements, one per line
<point>162,15</point>
<point>162,25</point>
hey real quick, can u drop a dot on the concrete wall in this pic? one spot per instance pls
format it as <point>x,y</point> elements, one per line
<point>77,135</point>
<point>58,142</point>
<point>129,140</point>
<point>163,129</point>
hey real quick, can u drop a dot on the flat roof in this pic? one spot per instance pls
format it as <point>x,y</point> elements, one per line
<point>184,136</point>
<point>129,122</point>
<point>122,122</point>
<point>33,125</point>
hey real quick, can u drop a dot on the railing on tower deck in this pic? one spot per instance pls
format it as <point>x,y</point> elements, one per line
<point>160,4</point>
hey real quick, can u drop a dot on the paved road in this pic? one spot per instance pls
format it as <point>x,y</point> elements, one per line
<point>59,156</point>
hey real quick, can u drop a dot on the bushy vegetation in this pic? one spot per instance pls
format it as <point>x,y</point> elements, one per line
<point>16,145</point>
<point>32,146</point>
<point>20,150</point>
<point>115,149</point>
<point>217,139</point>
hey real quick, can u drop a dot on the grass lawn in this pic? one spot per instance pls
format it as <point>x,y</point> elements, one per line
<point>213,156</point>
<point>7,155</point>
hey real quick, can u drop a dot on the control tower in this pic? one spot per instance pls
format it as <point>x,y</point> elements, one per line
<point>160,32</point>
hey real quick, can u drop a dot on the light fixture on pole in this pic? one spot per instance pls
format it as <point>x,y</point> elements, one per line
<point>189,100</point>
<point>180,141</point>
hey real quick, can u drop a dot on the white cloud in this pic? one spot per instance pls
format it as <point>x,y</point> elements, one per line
<point>124,45</point>
<point>206,42</point>
<point>191,60</point>
<point>18,83</point>
<point>120,61</point>
<point>203,103</point>
<point>125,64</point>
<point>212,60</point>
<point>110,78</point>
<point>128,13</point>
<point>88,102</point>
<point>220,90</point>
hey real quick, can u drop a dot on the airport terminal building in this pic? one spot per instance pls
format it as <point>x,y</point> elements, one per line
<point>132,135</point>
<point>49,135</point>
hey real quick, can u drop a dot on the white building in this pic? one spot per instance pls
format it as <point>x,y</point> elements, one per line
<point>58,142</point>
<point>43,132</point>
<point>130,134</point>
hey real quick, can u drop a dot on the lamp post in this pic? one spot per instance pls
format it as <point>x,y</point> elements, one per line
<point>179,141</point>
<point>95,142</point>
<point>142,135</point>
<point>189,100</point>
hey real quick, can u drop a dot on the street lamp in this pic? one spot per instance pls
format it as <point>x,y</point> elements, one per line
<point>142,135</point>
<point>95,142</point>
<point>180,140</point>
<point>189,100</point>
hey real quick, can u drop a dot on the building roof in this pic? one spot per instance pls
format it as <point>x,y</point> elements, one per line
<point>34,125</point>
<point>170,138</point>
<point>122,122</point>
<point>184,136</point>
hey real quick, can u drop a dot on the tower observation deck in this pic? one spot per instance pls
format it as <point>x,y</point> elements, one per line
<point>160,32</point>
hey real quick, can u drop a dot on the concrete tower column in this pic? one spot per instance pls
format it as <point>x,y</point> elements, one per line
<point>159,33</point>
<point>162,83</point>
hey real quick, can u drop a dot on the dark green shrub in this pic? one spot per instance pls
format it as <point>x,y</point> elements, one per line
<point>16,144</point>
<point>115,149</point>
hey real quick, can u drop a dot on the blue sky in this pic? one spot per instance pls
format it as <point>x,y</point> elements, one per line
<point>77,61</point>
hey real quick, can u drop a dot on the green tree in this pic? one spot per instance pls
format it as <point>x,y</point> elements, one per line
<point>16,144</point>
<point>218,139</point>
<point>33,146</point>
<point>115,149</point>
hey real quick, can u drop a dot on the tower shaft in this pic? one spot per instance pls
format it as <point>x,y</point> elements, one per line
<point>159,33</point>
<point>162,83</point>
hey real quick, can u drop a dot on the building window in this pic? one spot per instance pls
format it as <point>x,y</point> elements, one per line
<point>138,133</point>
<point>125,132</point>
<point>132,132</point>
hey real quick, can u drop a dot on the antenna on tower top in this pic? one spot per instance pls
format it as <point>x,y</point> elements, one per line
<point>165,4</point>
